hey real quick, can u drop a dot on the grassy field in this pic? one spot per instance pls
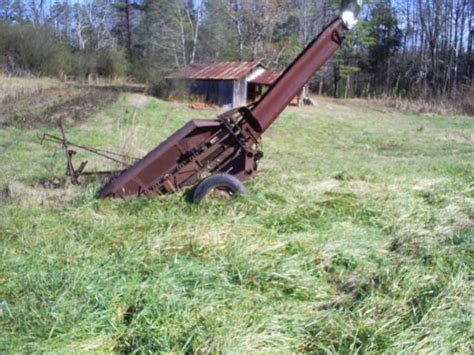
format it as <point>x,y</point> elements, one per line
<point>12,86</point>
<point>357,237</point>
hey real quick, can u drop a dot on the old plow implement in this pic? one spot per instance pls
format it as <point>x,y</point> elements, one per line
<point>70,150</point>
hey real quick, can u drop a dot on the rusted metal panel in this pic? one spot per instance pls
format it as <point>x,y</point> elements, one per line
<point>269,77</point>
<point>299,73</point>
<point>155,174</point>
<point>215,71</point>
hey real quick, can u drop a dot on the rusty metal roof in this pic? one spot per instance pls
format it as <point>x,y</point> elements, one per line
<point>215,71</point>
<point>267,78</point>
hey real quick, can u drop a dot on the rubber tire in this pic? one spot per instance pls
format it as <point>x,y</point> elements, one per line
<point>226,181</point>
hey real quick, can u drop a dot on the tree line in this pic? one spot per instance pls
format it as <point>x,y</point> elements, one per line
<point>408,48</point>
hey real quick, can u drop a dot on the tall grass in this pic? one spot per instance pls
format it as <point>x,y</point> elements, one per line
<point>357,237</point>
<point>460,102</point>
<point>14,87</point>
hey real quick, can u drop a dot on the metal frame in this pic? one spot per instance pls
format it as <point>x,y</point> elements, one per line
<point>228,144</point>
<point>73,173</point>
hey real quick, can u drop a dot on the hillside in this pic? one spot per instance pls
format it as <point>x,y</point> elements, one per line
<point>357,236</point>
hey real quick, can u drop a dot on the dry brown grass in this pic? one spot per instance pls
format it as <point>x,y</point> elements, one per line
<point>459,104</point>
<point>51,105</point>
<point>13,87</point>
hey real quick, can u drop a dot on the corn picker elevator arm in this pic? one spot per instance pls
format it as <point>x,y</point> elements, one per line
<point>229,144</point>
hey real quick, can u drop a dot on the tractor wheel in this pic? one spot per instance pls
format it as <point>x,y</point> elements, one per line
<point>219,185</point>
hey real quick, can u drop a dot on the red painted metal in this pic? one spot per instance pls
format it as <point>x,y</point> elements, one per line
<point>228,144</point>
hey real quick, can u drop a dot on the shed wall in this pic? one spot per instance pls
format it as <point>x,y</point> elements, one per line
<point>218,92</point>
<point>240,93</point>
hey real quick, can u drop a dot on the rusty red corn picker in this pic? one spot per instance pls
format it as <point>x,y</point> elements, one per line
<point>220,154</point>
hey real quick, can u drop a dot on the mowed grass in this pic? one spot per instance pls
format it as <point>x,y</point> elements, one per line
<point>357,237</point>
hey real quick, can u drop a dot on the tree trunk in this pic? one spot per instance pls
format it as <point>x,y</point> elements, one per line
<point>348,84</point>
<point>128,28</point>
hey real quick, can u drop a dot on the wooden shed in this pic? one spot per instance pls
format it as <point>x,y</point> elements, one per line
<point>223,83</point>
